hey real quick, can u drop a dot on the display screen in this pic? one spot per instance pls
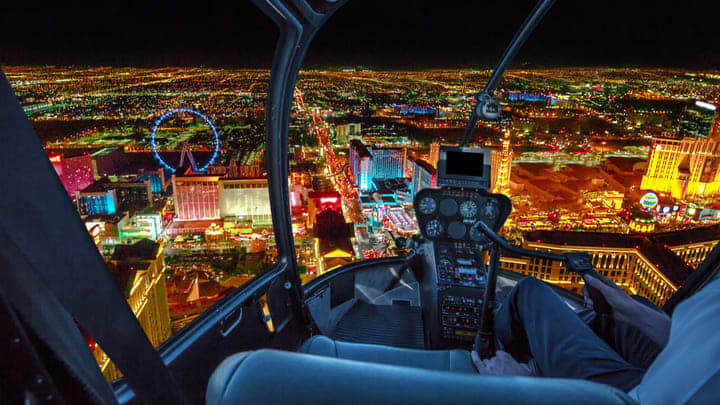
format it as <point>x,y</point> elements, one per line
<point>464,164</point>
<point>459,332</point>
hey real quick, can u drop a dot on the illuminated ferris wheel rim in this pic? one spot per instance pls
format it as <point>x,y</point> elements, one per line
<point>191,111</point>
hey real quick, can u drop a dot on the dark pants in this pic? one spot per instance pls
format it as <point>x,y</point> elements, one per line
<point>533,322</point>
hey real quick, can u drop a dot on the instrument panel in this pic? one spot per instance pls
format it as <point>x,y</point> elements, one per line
<point>459,264</point>
<point>446,217</point>
<point>448,214</point>
<point>460,316</point>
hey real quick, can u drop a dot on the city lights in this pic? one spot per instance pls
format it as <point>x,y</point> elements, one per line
<point>705,105</point>
<point>583,154</point>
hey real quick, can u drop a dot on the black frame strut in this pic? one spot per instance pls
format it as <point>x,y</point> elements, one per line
<point>486,98</point>
<point>298,22</point>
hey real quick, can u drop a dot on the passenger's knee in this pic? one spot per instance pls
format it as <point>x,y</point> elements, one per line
<point>531,286</point>
<point>530,283</point>
<point>528,288</point>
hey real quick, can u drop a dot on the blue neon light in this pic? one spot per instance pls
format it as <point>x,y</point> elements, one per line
<point>191,111</point>
<point>98,204</point>
<point>155,182</point>
<point>419,110</point>
<point>532,97</point>
<point>110,204</point>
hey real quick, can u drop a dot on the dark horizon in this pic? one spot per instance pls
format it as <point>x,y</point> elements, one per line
<point>380,35</point>
<point>377,69</point>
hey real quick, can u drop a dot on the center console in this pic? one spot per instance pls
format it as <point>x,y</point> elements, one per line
<point>455,251</point>
<point>461,277</point>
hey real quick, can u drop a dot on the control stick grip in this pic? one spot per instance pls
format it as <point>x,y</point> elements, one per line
<point>580,262</point>
<point>484,345</point>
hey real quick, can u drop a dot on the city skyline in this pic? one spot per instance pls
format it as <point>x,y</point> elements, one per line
<point>570,123</point>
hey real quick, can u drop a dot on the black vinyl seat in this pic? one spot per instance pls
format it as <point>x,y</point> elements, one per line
<point>278,377</point>
<point>444,360</point>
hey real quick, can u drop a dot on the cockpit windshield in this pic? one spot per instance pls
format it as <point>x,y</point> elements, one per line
<point>161,143</point>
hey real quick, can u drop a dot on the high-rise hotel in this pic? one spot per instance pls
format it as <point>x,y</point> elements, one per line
<point>653,266</point>
<point>369,163</point>
<point>687,167</point>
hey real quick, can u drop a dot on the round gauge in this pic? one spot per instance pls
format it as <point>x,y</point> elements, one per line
<point>477,235</point>
<point>427,205</point>
<point>491,210</point>
<point>448,207</point>
<point>468,209</point>
<point>456,230</point>
<point>434,228</point>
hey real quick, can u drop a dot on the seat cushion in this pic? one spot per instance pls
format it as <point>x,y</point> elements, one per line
<point>276,377</point>
<point>444,360</point>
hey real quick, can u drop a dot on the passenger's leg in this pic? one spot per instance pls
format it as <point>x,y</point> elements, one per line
<point>628,341</point>
<point>534,322</point>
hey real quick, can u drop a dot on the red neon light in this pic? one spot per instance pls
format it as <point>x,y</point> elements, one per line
<point>324,200</point>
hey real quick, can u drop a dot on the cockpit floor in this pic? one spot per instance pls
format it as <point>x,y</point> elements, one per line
<point>395,325</point>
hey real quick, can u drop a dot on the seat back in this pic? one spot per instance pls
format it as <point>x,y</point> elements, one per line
<point>271,376</point>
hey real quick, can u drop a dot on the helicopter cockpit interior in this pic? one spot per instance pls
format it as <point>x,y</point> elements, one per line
<point>387,330</point>
<point>426,312</point>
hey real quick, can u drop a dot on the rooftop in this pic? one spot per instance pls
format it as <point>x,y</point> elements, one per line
<point>655,247</point>
<point>625,164</point>
<point>104,184</point>
<point>144,249</point>
<point>670,264</point>
<point>327,246</point>
<point>361,149</point>
<point>71,152</point>
<point>107,218</point>
<point>308,167</point>
<point>688,236</point>
<point>124,274</point>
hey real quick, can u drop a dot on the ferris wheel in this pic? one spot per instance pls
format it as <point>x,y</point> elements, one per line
<point>186,146</point>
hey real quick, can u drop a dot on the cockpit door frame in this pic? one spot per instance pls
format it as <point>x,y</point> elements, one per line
<point>298,22</point>
<point>45,243</point>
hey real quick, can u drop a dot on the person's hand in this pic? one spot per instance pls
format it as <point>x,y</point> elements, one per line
<point>624,307</point>
<point>502,364</point>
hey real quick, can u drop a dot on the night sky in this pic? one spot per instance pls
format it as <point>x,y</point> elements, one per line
<point>373,33</point>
